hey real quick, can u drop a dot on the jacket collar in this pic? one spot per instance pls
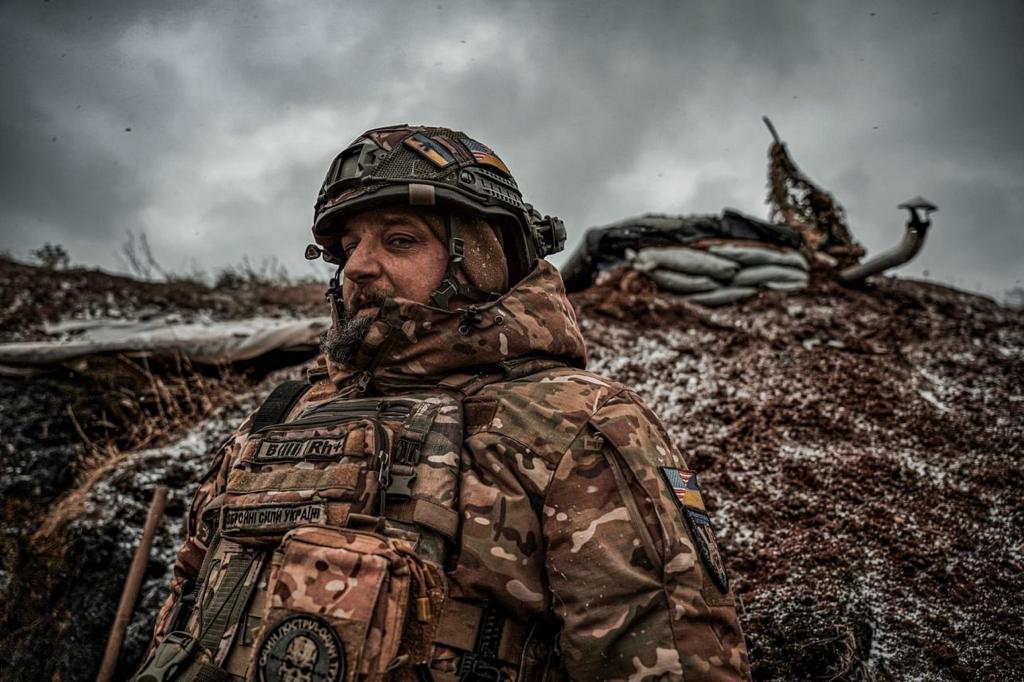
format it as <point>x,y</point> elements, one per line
<point>415,344</point>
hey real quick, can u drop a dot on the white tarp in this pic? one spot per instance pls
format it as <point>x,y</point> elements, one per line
<point>203,342</point>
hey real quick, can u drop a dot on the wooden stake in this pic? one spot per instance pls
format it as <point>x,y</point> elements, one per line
<point>132,584</point>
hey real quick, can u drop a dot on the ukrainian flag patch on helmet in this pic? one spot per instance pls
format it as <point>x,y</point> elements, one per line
<point>432,151</point>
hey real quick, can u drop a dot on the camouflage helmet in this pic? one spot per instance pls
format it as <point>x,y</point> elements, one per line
<point>432,168</point>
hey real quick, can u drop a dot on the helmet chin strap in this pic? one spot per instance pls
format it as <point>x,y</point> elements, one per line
<point>333,295</point>
<point>450,286</point>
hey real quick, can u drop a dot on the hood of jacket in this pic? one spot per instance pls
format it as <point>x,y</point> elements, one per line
<point>413,344</point>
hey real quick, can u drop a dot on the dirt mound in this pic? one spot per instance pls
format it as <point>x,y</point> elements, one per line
<point>860,448</point>
<point>31,296</point>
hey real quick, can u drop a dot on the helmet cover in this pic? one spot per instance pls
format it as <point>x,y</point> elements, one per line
<point>433,168</point>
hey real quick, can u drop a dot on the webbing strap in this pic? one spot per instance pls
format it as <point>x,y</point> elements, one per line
<point>206,672</point>
<point>277,405</point>
<point>229,600</point>
<point>413,434</point>
<point>482,663</point>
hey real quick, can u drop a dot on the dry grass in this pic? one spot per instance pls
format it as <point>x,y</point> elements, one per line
<point>148,404</point>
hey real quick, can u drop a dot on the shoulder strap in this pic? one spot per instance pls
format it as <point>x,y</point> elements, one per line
<point>277,405</point>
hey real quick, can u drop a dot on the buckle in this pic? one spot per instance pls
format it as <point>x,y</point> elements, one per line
<point>407,452</point>
<point>457,249</point>
<point>444,292</point>
<point>472,668</point>
<point>173,652</point>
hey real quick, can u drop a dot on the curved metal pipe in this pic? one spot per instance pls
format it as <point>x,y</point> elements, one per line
<point>913,240</point>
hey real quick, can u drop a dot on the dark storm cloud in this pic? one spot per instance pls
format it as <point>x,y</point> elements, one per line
<point>603,110</point>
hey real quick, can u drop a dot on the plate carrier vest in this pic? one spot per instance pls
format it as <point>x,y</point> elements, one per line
<point>327,550</point>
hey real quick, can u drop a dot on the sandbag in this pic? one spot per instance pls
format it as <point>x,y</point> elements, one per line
<point>785,286</point>
<point>722,296</point>
<point>686,261</point>
<point>760,275</point>
<point>753,255</point>
<point>679,283</point>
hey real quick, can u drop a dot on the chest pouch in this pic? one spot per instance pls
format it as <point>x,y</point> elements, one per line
<point>341,462</point>
<point>346,605</point>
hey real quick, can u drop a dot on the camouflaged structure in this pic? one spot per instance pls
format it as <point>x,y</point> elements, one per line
<point>554,504</point>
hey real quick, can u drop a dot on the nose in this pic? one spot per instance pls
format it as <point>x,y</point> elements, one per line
<point>363,263</point>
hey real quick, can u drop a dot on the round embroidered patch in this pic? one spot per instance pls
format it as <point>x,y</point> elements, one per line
<point>301,648</point>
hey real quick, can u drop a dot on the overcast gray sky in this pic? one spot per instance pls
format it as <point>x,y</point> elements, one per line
<point>602,110</point>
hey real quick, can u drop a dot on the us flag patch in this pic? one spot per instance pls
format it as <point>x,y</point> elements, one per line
<point>485,155</point>
<point>683,485</point>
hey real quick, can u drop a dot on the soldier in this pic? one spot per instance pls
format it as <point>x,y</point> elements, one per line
<point>450,495</point>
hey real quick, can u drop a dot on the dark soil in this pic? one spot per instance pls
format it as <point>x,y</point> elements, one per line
<point>862,454</point>
<point>860,448</point>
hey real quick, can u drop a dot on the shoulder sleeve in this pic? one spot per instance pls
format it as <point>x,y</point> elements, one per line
<point>633,567</point>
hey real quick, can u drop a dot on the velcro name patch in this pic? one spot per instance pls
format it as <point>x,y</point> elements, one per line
<point>269,518</point>
<point>294,450</point>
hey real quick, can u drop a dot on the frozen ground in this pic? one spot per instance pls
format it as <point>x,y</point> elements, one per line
<point>861,451</point>
<point>862,454</point>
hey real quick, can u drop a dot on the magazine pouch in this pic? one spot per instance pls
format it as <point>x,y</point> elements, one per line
<point>338,605</point>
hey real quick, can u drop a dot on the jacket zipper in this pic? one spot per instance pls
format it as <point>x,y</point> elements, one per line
<point>380,409</point>
<point>646,539</point>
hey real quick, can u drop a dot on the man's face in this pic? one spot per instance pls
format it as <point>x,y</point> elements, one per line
<point>392,252</point>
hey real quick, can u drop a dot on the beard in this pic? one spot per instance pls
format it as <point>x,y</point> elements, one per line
<point>341,341</point>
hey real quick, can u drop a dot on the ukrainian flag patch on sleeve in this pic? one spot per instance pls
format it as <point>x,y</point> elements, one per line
<point>686,491</point>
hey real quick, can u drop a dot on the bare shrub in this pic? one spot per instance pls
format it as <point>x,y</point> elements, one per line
<point>137,256</point>
<point>269,272</point>
<point>52,256</point>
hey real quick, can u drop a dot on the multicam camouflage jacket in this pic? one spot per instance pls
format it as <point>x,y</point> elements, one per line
<point>561,535</point>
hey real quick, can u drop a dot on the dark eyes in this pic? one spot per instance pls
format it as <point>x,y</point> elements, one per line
<point>397,241</point>
<point>401,241</point>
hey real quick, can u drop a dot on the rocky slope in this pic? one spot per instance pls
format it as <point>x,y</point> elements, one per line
<point>860,449</point>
